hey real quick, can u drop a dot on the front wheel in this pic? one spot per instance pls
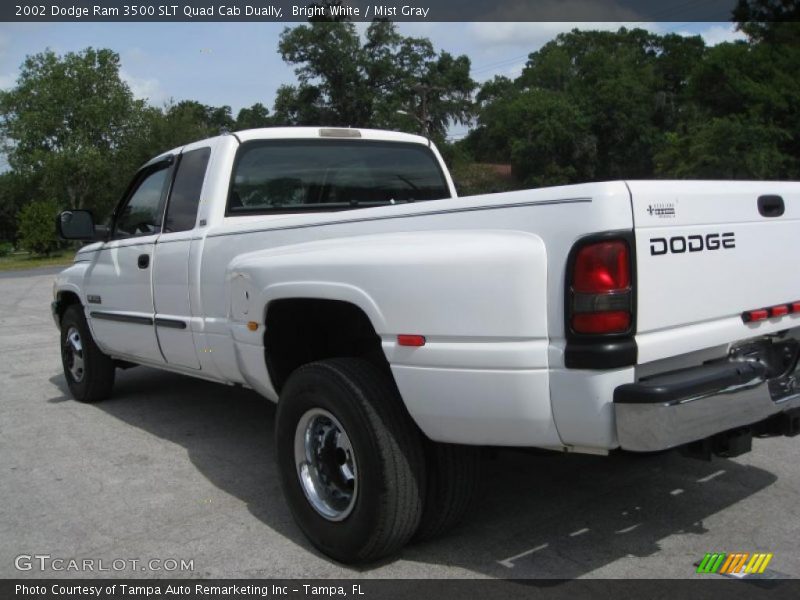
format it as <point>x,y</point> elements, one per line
<point>89,372</point>
<point>350,459</point>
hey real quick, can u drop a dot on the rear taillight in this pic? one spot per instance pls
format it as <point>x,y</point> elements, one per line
<point>600,289</point>
<point>602,267</point>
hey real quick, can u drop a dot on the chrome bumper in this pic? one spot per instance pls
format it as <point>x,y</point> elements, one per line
<point>693,404</point>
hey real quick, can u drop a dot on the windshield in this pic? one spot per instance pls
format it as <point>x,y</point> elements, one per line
<point>317,175</point>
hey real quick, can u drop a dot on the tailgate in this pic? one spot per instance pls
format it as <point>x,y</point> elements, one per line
<point>706,252</point>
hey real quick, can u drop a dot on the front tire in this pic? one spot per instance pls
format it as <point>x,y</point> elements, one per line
<point>350,459</point>
<point>89,372</point>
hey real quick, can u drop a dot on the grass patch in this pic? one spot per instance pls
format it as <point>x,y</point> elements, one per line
<point>20,261</point>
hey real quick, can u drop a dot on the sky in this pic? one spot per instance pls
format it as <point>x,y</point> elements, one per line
<point>237,64</point>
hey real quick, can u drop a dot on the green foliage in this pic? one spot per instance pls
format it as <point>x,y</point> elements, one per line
<point>15,191</point>
<point>471,177</point>
<point>588,105</point>
<point>254,117</point>
<point>724,148</point>
<point>388,81</point>
<point>632,104</point>
<point>6,248</point>
<point>73,132</point>
<point>175,125</point>
<point>742,113</point>
<point>476,178</point>
<point>609,79</point>
<point>66,120</point>
<point>769,20</point>
<point>562,148</point>
<point>36,227</point>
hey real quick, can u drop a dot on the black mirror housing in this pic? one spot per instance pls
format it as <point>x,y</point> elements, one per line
<point>77,225</point>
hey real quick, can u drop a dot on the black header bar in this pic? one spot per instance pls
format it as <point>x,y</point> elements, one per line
<point>708,587</point>
<point>367,10</point>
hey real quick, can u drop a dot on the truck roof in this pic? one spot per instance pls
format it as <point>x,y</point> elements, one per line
<point>324,132</point>
<point>269,133</point>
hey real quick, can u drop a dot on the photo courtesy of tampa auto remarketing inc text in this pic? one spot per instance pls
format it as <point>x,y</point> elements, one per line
<point>392,300</point>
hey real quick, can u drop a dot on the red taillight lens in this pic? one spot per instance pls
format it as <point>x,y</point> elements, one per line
<point>773,312</point>
<point>601,294</point>
<point>602,322</point>
<point>756,315</point>
<point>779,311</point>
<point>602,267</point>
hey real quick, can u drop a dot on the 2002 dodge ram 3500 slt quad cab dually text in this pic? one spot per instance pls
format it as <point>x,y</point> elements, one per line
<point>399,327</point>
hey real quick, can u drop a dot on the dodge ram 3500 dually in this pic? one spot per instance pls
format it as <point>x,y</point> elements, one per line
<point>400,328</point>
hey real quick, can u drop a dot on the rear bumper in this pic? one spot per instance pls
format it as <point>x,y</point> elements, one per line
<point>685,406</point>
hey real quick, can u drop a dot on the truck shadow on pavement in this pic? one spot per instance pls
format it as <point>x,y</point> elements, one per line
<point>538,515</point>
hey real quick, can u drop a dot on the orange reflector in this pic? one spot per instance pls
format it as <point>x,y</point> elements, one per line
<point>411,340</point>
<point>252,325</point>
<point>779,311</point>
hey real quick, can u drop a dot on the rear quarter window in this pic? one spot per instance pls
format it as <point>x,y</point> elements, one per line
<point>186,188</point>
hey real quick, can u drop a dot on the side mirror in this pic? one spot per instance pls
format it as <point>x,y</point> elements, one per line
<point>78,225</point>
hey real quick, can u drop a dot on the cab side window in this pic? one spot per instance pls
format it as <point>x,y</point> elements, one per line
<point>185,196</point>
<point>141,214</point>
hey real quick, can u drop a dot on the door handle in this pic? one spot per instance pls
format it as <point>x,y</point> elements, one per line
<point>771,206</point>
<point>144,261</point>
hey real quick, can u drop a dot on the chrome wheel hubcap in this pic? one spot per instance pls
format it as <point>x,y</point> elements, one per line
<point>326,464</point>
<point>73,354</point>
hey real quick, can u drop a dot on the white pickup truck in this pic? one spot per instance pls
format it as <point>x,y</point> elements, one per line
<point>400,328</point>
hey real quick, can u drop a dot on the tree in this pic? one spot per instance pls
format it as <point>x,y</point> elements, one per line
<point>611,79</point>
<point>731,147</point>
<point>742,114</point>
<point>543,134</point>
<point>475,178</point>
<point>15,191</point>
<point>388,81</point>
<point>588,105</point>
<point>177,124</point>
<point>67,119</point>
<point>36,228</point>
<point>769,20</point>
<point>188,121</point>
<point>254,117</point>
<point>633,104</point>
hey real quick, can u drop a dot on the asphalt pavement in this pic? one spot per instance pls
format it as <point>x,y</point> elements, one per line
<point>173,468</point>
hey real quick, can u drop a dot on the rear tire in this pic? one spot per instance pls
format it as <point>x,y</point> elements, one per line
<point>453,476</point>
<point>89,372</point>
<point>350,459</point>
